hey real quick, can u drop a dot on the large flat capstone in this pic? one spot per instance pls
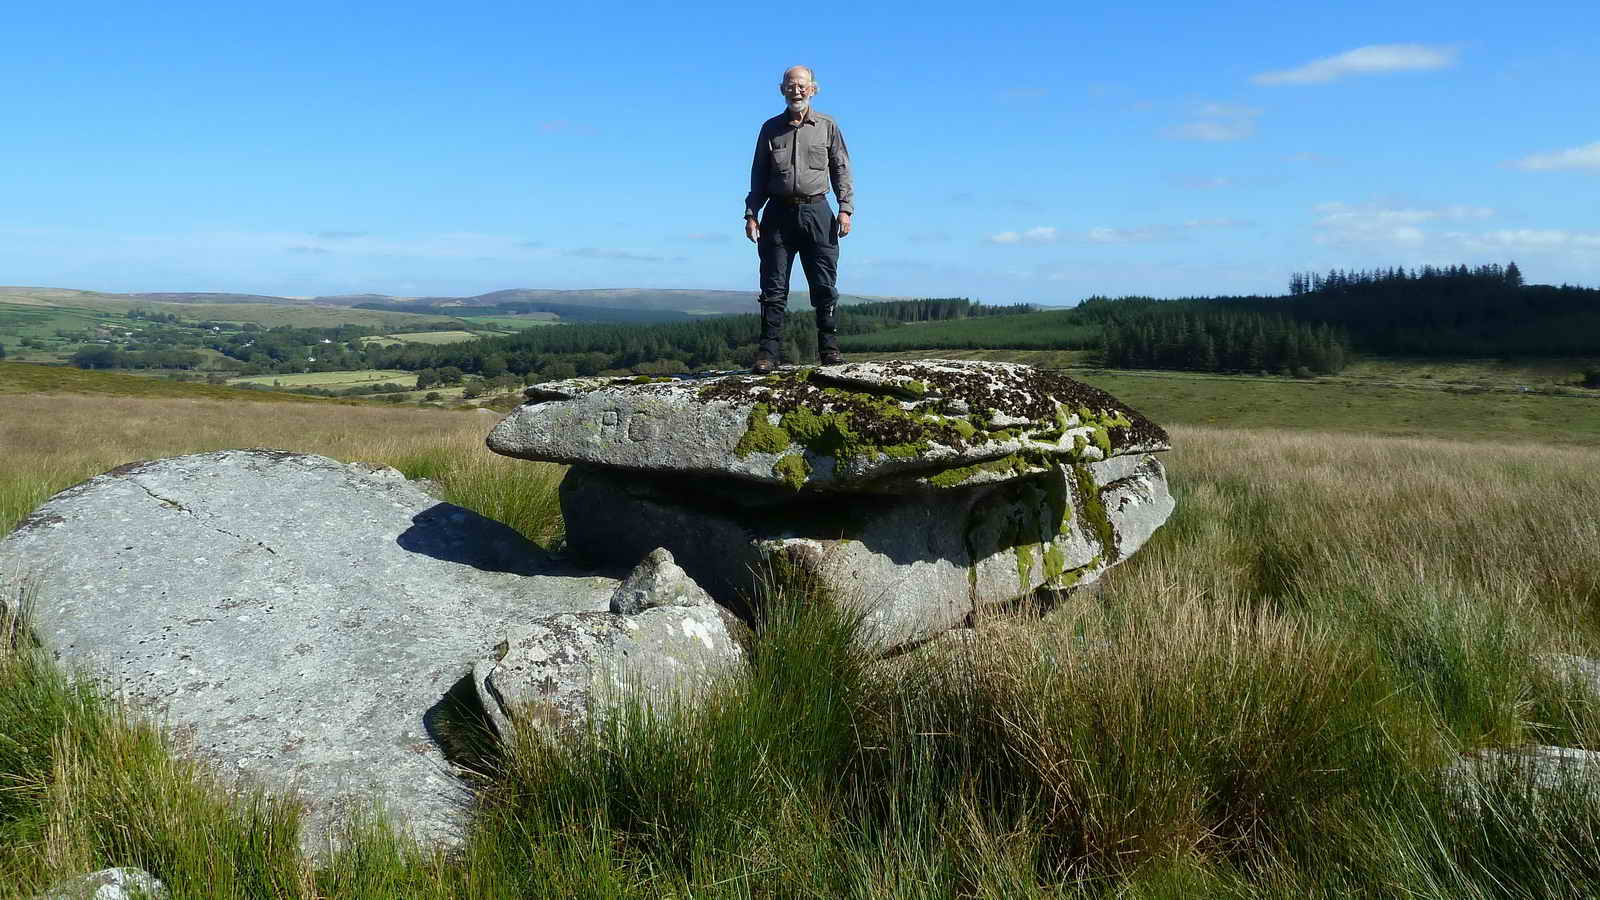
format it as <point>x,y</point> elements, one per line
<point>891,427</point>
<point>293,619</point>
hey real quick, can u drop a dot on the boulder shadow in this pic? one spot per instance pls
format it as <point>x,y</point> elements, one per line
<point>456,534</point>
<point>462,729</point>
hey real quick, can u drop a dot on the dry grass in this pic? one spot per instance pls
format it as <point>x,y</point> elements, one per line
<point>54,441</point>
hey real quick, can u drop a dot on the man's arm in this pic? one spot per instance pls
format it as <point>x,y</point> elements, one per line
<point>760,176</point>
<point>839,173</point>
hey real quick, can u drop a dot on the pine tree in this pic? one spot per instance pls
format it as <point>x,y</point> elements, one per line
<point>1513,275</point>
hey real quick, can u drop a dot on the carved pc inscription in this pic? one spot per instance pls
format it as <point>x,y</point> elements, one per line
<point>617,426</point>
<point>641,429</point>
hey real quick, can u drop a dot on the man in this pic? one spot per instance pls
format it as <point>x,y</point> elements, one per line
<point>798,153</point>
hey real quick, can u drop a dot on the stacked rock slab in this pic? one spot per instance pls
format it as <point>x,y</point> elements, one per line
<point>919,490</point>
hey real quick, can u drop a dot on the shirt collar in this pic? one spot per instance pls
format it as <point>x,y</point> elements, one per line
<point>809,118</point>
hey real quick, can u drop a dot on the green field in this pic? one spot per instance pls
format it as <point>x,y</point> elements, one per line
<point>267,315</point>
<point>1035,330</point>
<point>34,378</point>
<point>1462,399</point>
<point>433,337</point>
<point>330,379</point>
<point>514,323</point>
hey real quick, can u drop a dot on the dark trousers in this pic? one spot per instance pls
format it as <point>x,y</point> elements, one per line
<point>810,230</point>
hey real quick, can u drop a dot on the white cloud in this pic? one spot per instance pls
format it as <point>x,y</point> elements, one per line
<point>1138,235</point>
<point>615,253</point>
<point>1341,223</point>
<point>1042,234</point>
<point>1529,239</point>
<point>1585,157</point>
<point>1374,59</point>
<point>1217,223</point>
<point>1216,122</point>
<point>1214,132</point>
<point>1227,111</point>
<point>1105,234</point>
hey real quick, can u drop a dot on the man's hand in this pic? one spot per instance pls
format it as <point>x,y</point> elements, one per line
<point>752,230</point>
<point>844,224</point>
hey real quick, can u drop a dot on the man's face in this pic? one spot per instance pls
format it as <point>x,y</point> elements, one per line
<point>797,89</point>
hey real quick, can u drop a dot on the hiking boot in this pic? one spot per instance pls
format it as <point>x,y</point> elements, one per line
<point>830,357</point>
<point>763,364</point>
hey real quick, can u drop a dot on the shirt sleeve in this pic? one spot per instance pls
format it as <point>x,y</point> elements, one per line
<point>760,176</point>
<point>839,171</point>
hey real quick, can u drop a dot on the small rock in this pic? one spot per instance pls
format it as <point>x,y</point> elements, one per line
<point>562,670</point>
<point>1582,669</point>
<point>123,883</point>
<point>1541,767</point>
<point>657,581</point>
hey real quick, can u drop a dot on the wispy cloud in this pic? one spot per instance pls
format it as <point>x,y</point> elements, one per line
<point>340,235</point>
<point>308,250</point>
<point>1216,122</point>
<point>1530,240</point>
<point>614,253</point>
<point>1137,234</point>
<point>1585,157</point>
<point>1374,59</point>
<point>1342,223</point>
<point>1042,234</point>
<point>1140,235</point>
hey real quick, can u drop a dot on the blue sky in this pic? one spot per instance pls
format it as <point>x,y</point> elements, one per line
<point>1027,152</point>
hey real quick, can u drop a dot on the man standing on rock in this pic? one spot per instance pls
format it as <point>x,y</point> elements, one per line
<point>798,152</point>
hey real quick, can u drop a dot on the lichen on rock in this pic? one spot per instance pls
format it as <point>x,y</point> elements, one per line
<point>875,427</point>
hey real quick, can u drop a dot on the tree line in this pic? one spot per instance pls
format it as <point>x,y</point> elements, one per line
<point>1486,310</point>
<point>1205,337</point>
<point>712,342</point>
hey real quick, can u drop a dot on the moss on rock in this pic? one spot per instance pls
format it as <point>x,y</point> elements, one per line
<point>761,436</point>
<point>793,469</point>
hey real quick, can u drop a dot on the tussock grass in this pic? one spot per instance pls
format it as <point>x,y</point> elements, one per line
<point>1268,700</point>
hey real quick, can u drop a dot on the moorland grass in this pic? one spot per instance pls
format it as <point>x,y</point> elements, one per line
<point>1266,700</point>
<point>54,441</point>
<point>343,378</point>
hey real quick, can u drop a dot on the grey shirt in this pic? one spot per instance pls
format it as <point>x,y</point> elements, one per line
<point>799,159</point>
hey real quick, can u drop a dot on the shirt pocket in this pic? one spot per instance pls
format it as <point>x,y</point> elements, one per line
<point>781,154</point>
<point>817,157</point>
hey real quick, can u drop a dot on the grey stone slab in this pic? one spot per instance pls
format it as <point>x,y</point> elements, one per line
<point>915,565</point>
<point>859,427</point>
<point>292,619</point>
